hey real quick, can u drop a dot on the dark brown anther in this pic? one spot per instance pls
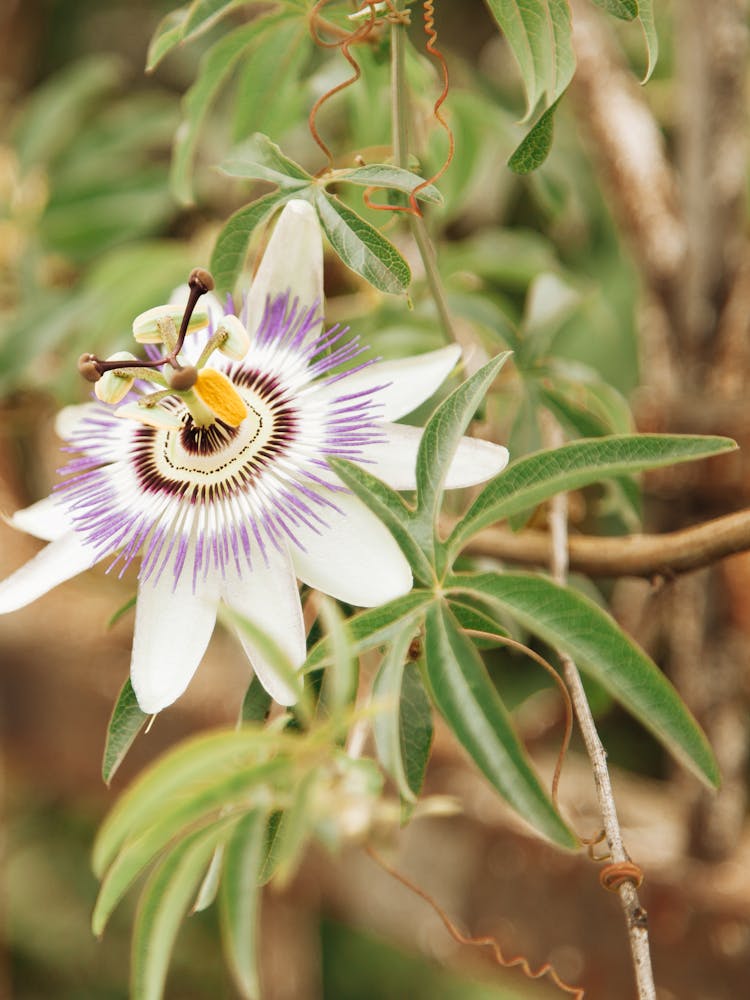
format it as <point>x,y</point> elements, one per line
<point>87,366</point>
<point>201,278</point>
<point>183,378</point>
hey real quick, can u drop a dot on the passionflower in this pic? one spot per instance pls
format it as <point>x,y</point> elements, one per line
<point>207,462</point>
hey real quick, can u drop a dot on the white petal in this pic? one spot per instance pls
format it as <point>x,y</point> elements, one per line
<point>59,561</point>
<point>394,461</point>
<point>172,628</point>
<point>269,597</point>
<point>355,560</point>
<point>293,262</point>
<point>69,418</point>
<point>407,381</point>
<point>45,519</point>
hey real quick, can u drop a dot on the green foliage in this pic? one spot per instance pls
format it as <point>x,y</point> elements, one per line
<point>126,722</point>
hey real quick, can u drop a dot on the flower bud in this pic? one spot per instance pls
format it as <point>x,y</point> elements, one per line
<point>111,387</point>
<point>237,339</point>
<point>146,325</point>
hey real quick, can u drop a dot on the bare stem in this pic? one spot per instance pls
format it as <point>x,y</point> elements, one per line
<point>635,915</point>
<point>400,140</point>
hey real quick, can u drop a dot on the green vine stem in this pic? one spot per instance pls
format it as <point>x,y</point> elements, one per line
<point>400,141</point>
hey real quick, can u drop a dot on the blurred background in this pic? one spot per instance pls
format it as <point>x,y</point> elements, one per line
<point>639,215</point>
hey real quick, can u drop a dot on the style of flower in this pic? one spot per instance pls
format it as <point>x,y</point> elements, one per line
<point>218,481</point>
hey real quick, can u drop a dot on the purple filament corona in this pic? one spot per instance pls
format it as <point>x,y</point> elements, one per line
<point>200,499</point>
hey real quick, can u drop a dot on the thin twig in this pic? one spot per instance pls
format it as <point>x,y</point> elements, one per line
<point>635,915</point>
<point>668,554</point>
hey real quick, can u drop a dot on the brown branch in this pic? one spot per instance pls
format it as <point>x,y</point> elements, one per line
<point>632,555</point>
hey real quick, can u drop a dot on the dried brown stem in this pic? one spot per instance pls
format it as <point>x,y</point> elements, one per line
<point>667,554</point>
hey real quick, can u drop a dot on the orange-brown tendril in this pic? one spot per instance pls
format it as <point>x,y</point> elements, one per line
<point>343,42</point>
<point>481,942</point>
<point>538,658</point>
<point>431,46</point>
<point>617,873</point>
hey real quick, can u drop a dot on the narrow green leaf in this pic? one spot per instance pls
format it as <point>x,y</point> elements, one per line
<point>475,619</point>
<point>205,13</point>
<point>193,761</point>
<point>257,702</point>
<point>340,683</point>
<point>168,34</point>
<point>625,10</point>
<point>534,148</point>
<point>126,722</point>
<point>571,622</point>
<point>539,36</point>
<point>439,442</point>
<point>294,830</point>
<point>373,627</point>
<point>472,708</point>
<point>195,805</point>
<point>383,175</point>
<point>537,477</point>
<point>239,900</point>
<point>215,68</point>
<point>361,247</point>
<point>391,510</point>
<point>122,610</point>
<point>646,17</point>
<point>163,905</point>
<point>233,242</point>
<point>416,732</point>
<point>260,159</point>
<point>387,723</point>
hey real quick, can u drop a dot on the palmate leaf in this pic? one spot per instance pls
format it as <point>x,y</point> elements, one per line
<point>239,899</point>
<point>471,706</point>
<point>572,623</point>
<point>539,35</point>
<point>260,159</point>
<point>538,477</point>
<point>362,247</point>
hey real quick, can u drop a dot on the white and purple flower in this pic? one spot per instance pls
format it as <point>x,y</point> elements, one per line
<point>220,484</point>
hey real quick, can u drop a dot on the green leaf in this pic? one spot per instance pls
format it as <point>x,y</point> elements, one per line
<point>383,175</point>
<point>475,619</point>
<point>194,761</point>
<point>539,35</point>
<point>646,17</point>
<point>271,96</point>
<point>537,477</point>
<point>257,702</point>
<point>416,732</point>
<point>192,806</point>
<point>388,722</point>
<point>164,902</point>
<point>574,624</point>
<point>168,33</point>
<point>239,899</point>
<point>262,160</point>
<point>373,627</point>
<point>625,10</point>
<point>233,242</point>
<point>390,508</point>
<point>439,442</point>
<point>361,247</point>
<point>467,699</point>
<point>205,13</point>
<point>340,684</point>
<point>126,722</point>
<point>122,610</point>
<point>215,68</point>
<point>534,148</point>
